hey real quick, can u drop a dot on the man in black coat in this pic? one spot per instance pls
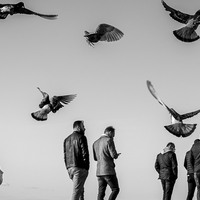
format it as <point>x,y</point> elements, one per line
<point>167,167</point>
<point>195,157</point>
<point>76,157</point>
<point>190,175</point>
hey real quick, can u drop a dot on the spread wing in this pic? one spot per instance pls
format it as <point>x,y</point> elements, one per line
<point>57,101</point>
<point>24,10</point>
<point>155,95</point>
<point>109,33</point>
<point>191,114</point>
<point>176,14</point>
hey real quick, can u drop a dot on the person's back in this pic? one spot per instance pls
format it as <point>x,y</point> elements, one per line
<point>76,151</point>
<point>167,165</point>
<point>195,151</point>
<point>104,155</point>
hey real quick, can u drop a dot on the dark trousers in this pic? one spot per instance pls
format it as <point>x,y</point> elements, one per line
<point>191,186</point>
<point>168,186</point>
<point>110,180</point>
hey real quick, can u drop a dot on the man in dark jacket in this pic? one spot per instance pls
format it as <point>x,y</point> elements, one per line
<point>190,175</point>
<point>104,153</point>
<point>195,157</point>
<point>76,156</point>
<point>167,167</point>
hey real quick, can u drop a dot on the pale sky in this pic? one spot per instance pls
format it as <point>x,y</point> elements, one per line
<point>110,83</point>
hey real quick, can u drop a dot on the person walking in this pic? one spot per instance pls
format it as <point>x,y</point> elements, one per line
<point>167,167</point>
<point>190,175</point>
<point>104,153</point>
<point>76,157</point>
<point>195,160</point>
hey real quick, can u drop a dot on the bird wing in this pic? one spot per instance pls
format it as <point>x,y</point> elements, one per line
<point>155,95</point>
<point>190,114</point>
<point>24,10</point>
<point>56,101</point>
<point>176,14</point>
<point>109,33</point>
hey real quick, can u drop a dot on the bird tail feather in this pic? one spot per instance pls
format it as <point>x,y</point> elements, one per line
<point>39,116</point>
<point>180,129</point>
<point>186,34</point>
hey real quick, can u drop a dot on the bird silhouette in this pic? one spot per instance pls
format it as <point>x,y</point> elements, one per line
<point>104,32</point>
<point>177,127</point>
<point>19,8</point>
<point>186,33</point>
<point>48,105</point>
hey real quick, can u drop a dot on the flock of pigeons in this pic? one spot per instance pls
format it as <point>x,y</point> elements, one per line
<point>185,34</point>
<point>105,32</point>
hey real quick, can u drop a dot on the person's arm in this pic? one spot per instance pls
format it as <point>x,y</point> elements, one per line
<point>94,153</point>
<point>185,162</point>
<point>174,165</point>
<point>157,165</point>
<point>85,152</point>
<point>112,150</point>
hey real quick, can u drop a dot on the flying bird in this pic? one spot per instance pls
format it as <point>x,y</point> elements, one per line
<point>188,32</point>
<point>104,32</point>
<point>19,8</point>
<point>177,127</point>
<point>53,104</point>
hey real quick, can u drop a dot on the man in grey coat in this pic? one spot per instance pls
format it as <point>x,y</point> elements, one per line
<point>104,153</point>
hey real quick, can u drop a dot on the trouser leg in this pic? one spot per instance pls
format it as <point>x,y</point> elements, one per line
<point>112,181</point>
<point>102,187</point>
<point>78,177</point>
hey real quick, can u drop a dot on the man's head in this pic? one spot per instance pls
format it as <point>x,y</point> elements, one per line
<point>171,146</point>
<point>110,131</point>
<point>79,126</point>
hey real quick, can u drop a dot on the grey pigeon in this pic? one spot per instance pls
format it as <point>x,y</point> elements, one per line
<point>177,127</point>
<point>104,32</point>
<point>186,33</point>
<point>53,104</point>
<point>19,8</point>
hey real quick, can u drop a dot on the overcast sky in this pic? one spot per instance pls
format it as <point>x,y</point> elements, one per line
<point>110,83</point>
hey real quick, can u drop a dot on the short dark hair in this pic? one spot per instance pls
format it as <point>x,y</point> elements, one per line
<point>77,123</point>
<point>109,129</point>
<point>171,144</point>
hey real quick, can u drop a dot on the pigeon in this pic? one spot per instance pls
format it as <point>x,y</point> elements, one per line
<point>177,127</point>
<point>19,8</point>
<point>104,32</point>
<point>48,105</point>
<point>186,33</point>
